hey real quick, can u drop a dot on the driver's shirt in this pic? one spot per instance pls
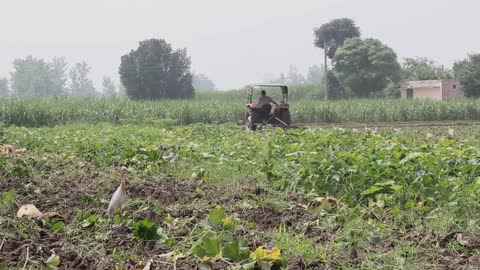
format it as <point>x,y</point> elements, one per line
<point>264,100</point>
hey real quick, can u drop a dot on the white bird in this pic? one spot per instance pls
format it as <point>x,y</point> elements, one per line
<point>339,129</point>
<point>451,131</point>
<point>307,129</point>
<point>429,135</point>
<point>120,195</point>
<point>375,130</point>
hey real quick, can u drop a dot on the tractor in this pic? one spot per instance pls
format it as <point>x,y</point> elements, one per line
<point>258,116</point>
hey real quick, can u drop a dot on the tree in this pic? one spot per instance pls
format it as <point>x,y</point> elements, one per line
<point>422,68</point>
<point>31,77</point>
<point>201,82</point>
<point>392,90</point>
<point>366,66</point>
<point>81,85</point>
<point>156,71</point>
<point>108,87</point>
<point>58,75</point>
<point>294,76</point>
<point>334,86</point>
<point>122,91</point>
<point>467,71</point>
<point>315,75</point>
<point>4,87</point>
<point>35,77</point>
<point>333,34</point>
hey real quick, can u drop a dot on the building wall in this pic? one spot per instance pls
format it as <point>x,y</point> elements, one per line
<point>445,89</point>
<point>452,89</point>
<point>423,89</point>
<point>428,93</point>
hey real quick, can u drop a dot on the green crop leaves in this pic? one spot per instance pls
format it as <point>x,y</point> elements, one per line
<point>9,196</point>
<point>395,185</point>
<point>58,227</point>
<point>52,262</point>
<point>228,224</point>
<point>210,247</point>
<point>145,230</point>
<point>7,200</point>
<point>266,259</point>
<point>236,251</point>
<point>89,222</point>
<point>216,216</point>
<point>382,187</point>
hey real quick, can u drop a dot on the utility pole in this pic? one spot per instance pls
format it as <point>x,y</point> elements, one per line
<point>325,79</point>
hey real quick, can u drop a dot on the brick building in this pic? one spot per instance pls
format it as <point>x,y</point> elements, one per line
<point>432,89</point>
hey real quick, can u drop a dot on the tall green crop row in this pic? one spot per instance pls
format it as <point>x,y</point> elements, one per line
<point>62,110</point>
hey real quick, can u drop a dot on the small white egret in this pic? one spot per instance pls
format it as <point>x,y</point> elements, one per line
<point>120,195</point>
<point>451,131</point>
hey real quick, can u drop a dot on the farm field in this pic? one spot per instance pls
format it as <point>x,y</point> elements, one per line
<point>218,108</point>
<point>331,198</point>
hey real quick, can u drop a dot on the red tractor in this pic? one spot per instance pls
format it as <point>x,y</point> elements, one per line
<point>258,116</point>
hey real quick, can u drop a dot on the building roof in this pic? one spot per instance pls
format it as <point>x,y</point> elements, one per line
<point>426,83</point>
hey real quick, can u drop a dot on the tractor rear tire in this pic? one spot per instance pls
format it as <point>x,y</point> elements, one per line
<point>251,126</point>
<point>248,121</point>
<point>285,117</point>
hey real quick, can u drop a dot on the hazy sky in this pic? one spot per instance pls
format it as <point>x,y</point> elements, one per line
<point>232,42</point>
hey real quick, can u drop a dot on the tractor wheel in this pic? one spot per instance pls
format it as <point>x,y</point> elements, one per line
<point>249,122</point>
<point>285,117</point>
<point>250,125</point>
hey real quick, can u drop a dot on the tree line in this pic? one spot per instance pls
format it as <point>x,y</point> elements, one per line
<point>36,77</point>
<point>360,67</point>
<point>365,67</point>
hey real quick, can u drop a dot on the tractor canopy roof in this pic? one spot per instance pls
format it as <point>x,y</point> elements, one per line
<point>251,87</point>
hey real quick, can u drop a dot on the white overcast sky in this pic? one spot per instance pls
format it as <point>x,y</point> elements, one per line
<point>232,42</point>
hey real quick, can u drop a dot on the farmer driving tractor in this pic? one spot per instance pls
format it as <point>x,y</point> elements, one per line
<point>265,101</point>
<point>258,115</point>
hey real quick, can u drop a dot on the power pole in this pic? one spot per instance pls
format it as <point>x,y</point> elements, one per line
<point>325,79</point>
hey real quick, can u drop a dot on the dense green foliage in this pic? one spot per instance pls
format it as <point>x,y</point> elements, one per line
<point>201,82</point>
<point>468,72</point>
<point>336,90</point>
<point>333,34</point>
<point>109,88</point>
<point>31,77</point>
<point>366,66</point>
<point>421,68</point>
<point>58,76</point>
<point>81,85</point>
<point>37,77</point>
<point>354,166</point>
<point>155,71</point>
<point>394,196</point>
<point>315,75</point>
<point>228,108</point>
